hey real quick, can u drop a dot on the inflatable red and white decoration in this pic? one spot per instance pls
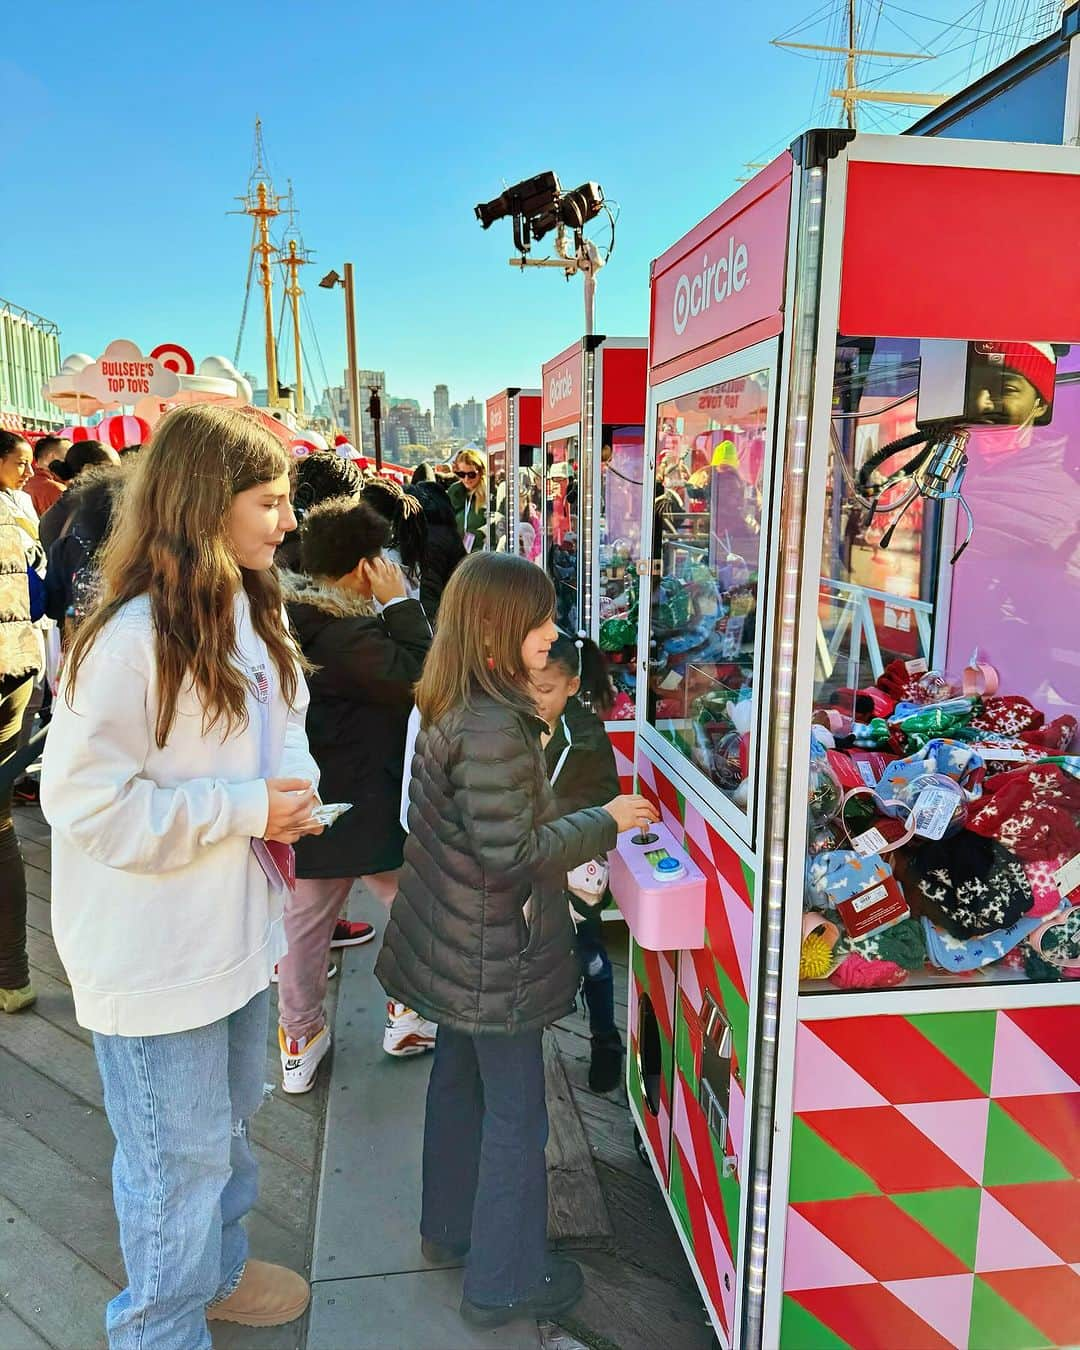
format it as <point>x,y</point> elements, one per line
<point>121,431</point>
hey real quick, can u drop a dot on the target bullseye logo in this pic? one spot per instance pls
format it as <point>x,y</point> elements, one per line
<point>681,308</point>
<point>175,358</point>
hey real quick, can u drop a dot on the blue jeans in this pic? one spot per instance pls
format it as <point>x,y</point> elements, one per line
<point>597,980</point>
<point>485,1180</point>
<point>183,1175</point>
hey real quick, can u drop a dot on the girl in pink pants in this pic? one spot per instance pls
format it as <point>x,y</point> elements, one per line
<point>366,640</point>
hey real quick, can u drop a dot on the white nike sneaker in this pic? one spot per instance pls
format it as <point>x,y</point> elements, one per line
<point>407,1033</point>
<point>300,1059</point>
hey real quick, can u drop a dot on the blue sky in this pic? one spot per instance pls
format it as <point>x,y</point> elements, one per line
<point>126,131</point>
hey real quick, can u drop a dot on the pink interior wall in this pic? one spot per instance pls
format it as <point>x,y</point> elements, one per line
<point>1016,591</point>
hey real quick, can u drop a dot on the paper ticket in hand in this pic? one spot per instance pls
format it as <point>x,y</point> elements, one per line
<point>327,812</point>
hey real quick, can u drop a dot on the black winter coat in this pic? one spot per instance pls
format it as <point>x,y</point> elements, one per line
<point>443,553</point>
<point>482,842</point>
<point>587,776</point>
<point>361,697</point>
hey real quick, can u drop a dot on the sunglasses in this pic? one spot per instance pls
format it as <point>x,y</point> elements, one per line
<point>467,473</point>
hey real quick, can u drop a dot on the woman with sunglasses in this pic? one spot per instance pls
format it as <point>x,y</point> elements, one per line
<point>468,497</point>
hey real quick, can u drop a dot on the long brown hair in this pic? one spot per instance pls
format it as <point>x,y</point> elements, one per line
<point>492,602</point>
<point>170,541</point>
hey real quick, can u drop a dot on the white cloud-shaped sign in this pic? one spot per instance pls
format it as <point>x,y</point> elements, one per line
<point>121,374</point>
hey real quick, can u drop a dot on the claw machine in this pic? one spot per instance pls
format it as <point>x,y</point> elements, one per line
<point>512,442</point>
<point>854,1021</point>
<point>593,426</point>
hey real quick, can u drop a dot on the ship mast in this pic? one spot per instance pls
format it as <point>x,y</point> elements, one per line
<point>294,256</point>
<point>262,204</point>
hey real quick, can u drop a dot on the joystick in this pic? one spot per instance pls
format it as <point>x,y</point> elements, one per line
<point>642,838</point>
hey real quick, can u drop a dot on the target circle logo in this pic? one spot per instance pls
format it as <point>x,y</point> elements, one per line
<point>680,312</point>
<point>175,358</point>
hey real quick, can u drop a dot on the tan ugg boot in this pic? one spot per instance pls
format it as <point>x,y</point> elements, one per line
<point>14,1000</point>
<point>267,1296</point>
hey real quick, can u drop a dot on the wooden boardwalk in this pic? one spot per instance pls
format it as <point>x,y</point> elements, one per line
<point>59,1257</point>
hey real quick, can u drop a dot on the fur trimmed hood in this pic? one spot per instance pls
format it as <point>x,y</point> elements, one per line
<point>297,589</point>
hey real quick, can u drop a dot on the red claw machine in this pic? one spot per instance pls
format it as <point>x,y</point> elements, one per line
<point>593,425</point>
<point>512,443</point>
<point>854,1021</point>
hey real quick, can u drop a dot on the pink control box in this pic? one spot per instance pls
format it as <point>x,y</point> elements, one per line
<point>660,891</point>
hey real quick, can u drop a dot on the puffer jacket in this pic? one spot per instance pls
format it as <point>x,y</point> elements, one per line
<point>361,695</point>
<point>482,844</point>
<point>20,649</point>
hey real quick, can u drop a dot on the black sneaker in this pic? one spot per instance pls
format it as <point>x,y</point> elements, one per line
<point>605,1063</point>
<point>443,1253</point>
<point>27,792</point>
<point>559,1290</point>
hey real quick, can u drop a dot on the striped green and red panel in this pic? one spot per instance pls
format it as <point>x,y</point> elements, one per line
<point>653,973</point>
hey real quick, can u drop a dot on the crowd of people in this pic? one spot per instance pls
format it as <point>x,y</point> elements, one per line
<point>271,680</point>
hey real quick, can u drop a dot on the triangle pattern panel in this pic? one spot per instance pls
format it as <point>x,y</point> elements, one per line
<point>801,1330</point>
<point>718,927</point>
<point>951,1215</point>
<point>887,1147</point>
<point>1049,1299</point>
<point>1051,1211</point>
<point>869,1317</point>
<point>1012,1155</point>
<point>705,1167</point>
<point>1023,1067</point>
<point>818,1172</point>
<point>1006,1244</point>
<point>996,1323</point>
<point>729,866</point>
<point>896,1059</point>
<point>824,1081</point>
<point>703,1249</point>
<point>943,1302</point>
<point>811,1261</point>
<point>697,831</point>
<point>957,1128</point>
<point>725,1269</point>
<point>740,918</point>
<point>881,1238</point>
<point>1054,1120</point>
<point>1056,1030</point>
<point>967,1038</point>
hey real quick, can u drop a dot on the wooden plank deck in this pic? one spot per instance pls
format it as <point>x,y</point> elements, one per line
<point>59,1256</point>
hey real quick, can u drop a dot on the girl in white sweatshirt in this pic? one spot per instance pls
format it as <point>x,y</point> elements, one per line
<point>177,750</point>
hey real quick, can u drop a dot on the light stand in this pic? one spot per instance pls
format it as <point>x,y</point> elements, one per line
<point>353,374</point>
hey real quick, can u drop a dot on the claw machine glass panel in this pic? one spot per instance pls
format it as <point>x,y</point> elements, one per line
<point>613,531</point>
<point>512,435</point>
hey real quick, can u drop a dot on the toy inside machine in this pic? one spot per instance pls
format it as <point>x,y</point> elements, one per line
<point>593,415</point>
<point>861,1091</point>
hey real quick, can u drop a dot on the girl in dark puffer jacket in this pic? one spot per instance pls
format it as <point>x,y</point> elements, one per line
<point>480,939</point>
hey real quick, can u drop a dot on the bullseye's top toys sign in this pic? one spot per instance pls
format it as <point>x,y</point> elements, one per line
<point>121,374</point>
